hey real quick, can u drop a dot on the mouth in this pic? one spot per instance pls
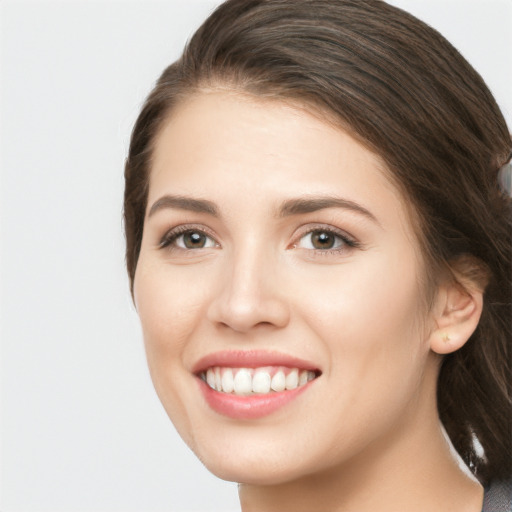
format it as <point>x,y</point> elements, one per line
<point>256,381</point>
<point>252,384</point>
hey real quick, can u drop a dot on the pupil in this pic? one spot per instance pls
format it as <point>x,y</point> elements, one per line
<point>322,240</point>
<point>194,240</point>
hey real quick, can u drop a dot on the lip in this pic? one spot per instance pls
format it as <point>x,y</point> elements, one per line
<point>248,407</point>
<point>252,406</point>
<point>251,359</point>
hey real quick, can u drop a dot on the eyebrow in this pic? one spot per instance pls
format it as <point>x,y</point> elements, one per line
<point>184,203</point>
<point>313,204</point>
<point>288,208</point>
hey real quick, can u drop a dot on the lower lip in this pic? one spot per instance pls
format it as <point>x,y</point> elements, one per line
<point>248,407</point>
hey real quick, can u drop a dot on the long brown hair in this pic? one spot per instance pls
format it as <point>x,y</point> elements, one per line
<point>408,95</point>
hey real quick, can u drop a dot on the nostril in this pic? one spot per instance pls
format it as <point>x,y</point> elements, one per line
<point>248,312</point>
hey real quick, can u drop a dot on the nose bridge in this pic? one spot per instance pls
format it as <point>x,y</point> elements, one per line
<point>249,293</point>
<point>251,262</point>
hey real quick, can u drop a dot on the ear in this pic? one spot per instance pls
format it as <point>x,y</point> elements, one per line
<point>456,312</point>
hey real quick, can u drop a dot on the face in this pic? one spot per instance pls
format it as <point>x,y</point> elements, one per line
<point>277,288</point>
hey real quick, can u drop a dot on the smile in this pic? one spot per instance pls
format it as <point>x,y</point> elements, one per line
<point>252,384</point>
<point>256,381</point>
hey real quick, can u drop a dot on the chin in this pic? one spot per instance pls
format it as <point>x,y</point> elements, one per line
<point>261,464</point>
<point>253,473</point>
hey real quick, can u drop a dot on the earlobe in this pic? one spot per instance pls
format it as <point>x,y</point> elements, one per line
<point>457,314</point>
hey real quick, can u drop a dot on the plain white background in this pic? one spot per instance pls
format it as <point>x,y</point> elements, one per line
<point>82,429</point>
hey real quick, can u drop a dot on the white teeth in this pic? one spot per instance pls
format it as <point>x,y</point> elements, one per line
<point>227,381</point>
<point>261,382</point>
<point>243,382</point>
<point>278,381</point>
<point>246,381</point>
<point>210,378</point>
<point>292,379</point>
<point>218,380</point>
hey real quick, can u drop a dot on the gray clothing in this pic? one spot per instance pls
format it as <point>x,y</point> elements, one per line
<point>498,497</point>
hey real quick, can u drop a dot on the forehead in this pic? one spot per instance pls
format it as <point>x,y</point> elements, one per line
<point>235,149</point>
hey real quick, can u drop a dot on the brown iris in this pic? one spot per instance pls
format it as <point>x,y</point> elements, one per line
<point>194,240</point>
<point>323,240</point>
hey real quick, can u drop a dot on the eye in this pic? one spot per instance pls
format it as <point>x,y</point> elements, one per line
<point>187,239</point>
<point>320,240</point>
<point>194,240</point>
<point>325,240</point>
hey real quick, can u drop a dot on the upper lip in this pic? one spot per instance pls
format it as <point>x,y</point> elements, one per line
<point>251,359</point>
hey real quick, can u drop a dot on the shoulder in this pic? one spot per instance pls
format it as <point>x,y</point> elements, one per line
<point>498,497</point>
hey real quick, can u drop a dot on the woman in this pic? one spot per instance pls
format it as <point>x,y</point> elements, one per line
<point>320,254</point>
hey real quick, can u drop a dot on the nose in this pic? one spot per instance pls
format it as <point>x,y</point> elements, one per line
<point>249,295</point>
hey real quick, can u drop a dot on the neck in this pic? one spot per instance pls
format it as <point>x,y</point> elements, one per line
<point>412,468</point>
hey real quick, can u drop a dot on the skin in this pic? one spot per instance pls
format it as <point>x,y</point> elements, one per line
<point>366,435</point>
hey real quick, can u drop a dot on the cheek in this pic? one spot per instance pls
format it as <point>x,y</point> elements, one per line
<point>375,297</point>
<point>168,308</point>
<point>368,322</point>
<point>369,316</point>
<point>169,311</point>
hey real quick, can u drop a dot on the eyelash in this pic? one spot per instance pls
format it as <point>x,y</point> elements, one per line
<point>168,241</point>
